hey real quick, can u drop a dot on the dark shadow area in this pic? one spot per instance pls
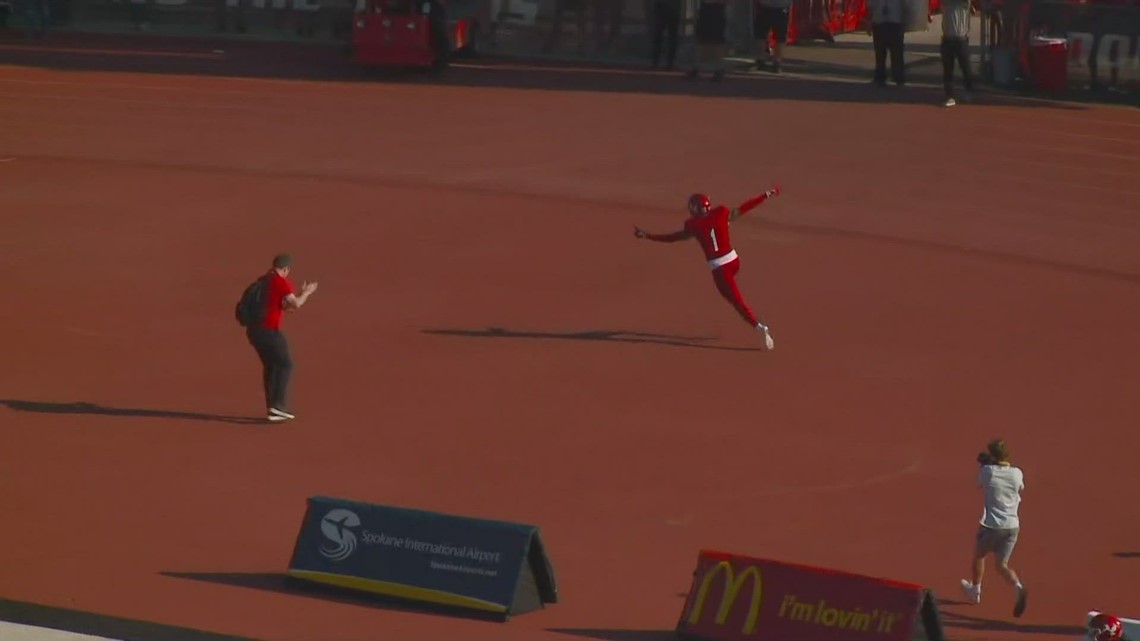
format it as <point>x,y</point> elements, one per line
<point>618,635</point>
<point>285,584</point>
<point>80,407</point>
<point>960,621</point>
<point>329,62</point>
<point>606,336</point>
<point>1126,555</point>
<point>80,622</point>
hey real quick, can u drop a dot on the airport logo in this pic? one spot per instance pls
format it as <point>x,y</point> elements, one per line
<point>337,527</point>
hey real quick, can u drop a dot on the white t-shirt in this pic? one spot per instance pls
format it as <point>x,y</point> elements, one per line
<point>1002,485</point>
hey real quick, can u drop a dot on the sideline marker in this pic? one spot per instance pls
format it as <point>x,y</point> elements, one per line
<point>494,568</point>
<point>738,598</point>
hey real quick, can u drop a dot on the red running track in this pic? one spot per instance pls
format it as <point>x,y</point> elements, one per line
<point>933,278</point>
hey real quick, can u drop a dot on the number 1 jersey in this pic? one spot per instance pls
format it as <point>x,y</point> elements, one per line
<point>711,231</point>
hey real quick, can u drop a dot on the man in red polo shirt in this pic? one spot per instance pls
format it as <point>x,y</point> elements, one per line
<point>266,337</point>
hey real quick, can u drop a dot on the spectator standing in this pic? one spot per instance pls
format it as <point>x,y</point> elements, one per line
<point>710,35</point>
<point>771,16</point>
<point>666,26</point>
<point>1001,483</point>
<point>956,47</point>
<point>889,36</point>
<point>264,334</point>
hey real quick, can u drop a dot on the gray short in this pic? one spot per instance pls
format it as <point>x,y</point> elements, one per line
<point>999,542</point>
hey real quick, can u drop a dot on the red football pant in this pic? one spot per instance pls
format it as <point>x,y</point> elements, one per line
<point>725,279</point>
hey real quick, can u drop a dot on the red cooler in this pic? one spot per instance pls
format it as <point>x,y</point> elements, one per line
<point>1048,63</point>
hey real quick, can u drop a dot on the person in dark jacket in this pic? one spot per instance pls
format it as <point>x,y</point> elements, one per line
<point>710,32</point>
<point>888,34</point>
<point>666,26</point>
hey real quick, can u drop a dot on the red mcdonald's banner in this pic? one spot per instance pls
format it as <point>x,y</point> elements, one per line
<point>734,598</point>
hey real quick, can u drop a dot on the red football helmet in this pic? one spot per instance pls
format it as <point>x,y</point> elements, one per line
<point>699,204</point>
<point>1105,627</point>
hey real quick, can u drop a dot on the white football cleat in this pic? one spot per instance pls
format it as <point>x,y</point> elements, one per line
<point>768,342</point>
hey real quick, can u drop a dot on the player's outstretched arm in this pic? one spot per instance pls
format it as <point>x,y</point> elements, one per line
<point>752,203</point>
<point>661,238</point>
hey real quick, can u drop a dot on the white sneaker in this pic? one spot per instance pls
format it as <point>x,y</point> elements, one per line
<point>950,102</point>
<point>768,342</point>
<point>973,592</point>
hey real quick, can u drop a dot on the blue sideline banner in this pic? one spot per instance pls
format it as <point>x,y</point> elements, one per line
<point>453,561</point>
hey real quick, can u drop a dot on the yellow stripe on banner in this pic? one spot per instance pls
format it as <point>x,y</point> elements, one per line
<point>398,590</point>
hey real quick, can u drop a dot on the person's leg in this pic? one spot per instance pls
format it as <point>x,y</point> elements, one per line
<point>702,54</point>
<point>760,29</point>
<point>780,27</point>
<point>962,54</point>
<point>672,31</point>
<point>719,65</point>
<point>725,279</point>
<point>717,34</point>
<point>898,65</point>
<point>879,40</point>
<point>701,30</point>
<point>1005,551</point>
<point>947,52</point>
<point>659,27</point>
<point>983,545</point>
<point>282,372</point>
<point>256,338</point>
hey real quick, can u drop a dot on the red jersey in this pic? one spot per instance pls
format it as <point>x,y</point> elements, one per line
<point>278,288</point>
<point>711,231</point>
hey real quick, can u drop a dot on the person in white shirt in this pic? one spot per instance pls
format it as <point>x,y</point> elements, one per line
<point>1001,484</point>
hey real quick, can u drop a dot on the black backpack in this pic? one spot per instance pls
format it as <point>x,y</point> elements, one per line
<point>250,308</point>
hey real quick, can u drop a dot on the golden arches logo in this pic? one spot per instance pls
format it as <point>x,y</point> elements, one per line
<point>732,585</point>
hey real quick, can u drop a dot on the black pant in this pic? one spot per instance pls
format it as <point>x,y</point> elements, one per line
<point>666,23</point>
<point>956,50</point>
<point>888,38</point>
<point>277,367</point>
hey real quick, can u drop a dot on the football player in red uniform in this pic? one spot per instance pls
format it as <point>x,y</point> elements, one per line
<point>709,225</point>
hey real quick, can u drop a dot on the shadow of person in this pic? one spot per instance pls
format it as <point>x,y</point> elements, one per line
<point>601,335</point>
<point>80,407</point>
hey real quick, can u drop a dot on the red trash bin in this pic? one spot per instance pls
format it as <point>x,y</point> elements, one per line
<point>1049,63</point>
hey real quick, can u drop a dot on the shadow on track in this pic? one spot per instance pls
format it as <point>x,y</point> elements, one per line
<point>90,623</point>
<point>599,335</point>
<point>80,407</point>
<point>284,584</point>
